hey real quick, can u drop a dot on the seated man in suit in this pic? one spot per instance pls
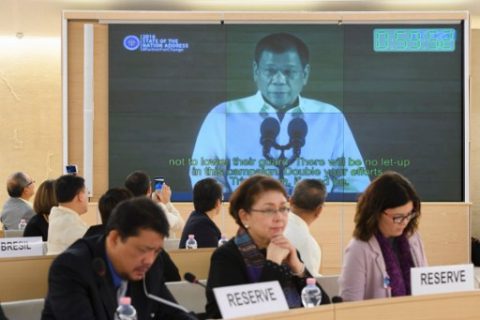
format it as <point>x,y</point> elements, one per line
<point>20,188</point>
<point>107,202</point>
<point>86,280</point>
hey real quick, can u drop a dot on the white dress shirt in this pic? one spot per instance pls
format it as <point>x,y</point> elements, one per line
<point>298,233</point>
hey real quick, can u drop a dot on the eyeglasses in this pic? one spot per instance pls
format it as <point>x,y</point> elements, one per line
<point>269,73</point>
<point>400,218</point>
<point>271,212</point>
<point>29,183</point>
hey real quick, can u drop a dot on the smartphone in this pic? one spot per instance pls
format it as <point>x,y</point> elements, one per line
<point>71,169</point>
<point>158,183</point>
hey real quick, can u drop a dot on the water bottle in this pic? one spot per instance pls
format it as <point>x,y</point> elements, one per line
<point>222,240</point>
<point>191,242</point>
<point>311,294</point>
<point>22,224</point>
<point>125,310</point>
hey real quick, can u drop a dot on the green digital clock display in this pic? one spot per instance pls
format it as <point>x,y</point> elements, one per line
<point>414,40</point>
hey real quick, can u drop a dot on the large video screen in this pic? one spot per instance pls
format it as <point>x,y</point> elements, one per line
<point>340,103</point>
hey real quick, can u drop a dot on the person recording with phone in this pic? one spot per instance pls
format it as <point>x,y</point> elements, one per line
<point>139,183</point>
<point>87,280</point>
<point>277,131</point>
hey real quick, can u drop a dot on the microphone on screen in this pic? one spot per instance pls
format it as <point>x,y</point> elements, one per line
<point>297,131</point>
<point>190,277</point>
<point>269,130</point>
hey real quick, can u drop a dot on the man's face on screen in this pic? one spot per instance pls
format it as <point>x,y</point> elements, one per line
<point>280,77</point>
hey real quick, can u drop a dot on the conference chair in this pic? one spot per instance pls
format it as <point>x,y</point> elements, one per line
<point>329,284</point>
<point>189,295</point>
<point>23,309</point>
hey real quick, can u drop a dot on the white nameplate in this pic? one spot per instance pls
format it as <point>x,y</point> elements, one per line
<point>442,279</point>
<point>250,299</point>
<point>21,247</point>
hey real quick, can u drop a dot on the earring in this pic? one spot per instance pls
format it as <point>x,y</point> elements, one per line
<point>246,226</point>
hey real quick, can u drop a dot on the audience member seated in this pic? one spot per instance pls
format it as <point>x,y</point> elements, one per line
<point>207,202</point>
<point>86,280</point>
<point>106,204</point>
<point>259,252</point>
<point>306,205</point>
<point>385,244</point>
<point>65,225</point>
<point>43,202</point>
<point>138,182</point>
<point>20,188</point>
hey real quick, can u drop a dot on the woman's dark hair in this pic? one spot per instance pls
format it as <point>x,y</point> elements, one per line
<point>249,191</point>
<point>45,198</point>
<point>206,193</point>
<point>389,190</point>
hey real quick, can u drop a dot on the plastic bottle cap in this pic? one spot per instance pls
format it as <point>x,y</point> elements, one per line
<point>125,300</point>
<point>311,281</point>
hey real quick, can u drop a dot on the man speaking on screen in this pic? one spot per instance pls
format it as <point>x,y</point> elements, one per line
<point>277,131</point>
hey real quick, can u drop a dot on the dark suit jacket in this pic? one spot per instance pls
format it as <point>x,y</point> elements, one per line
<point>78,289</point>
<point>37,227</point>
<point>205,230</point>
<point>170,270</point>
<point>227,268</point>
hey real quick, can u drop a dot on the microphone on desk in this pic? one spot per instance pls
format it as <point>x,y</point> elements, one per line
<point>190,277</point>
<point>337,299</point>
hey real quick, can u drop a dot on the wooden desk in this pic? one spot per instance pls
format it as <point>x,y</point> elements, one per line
<point>458,306</point>
<point>27,277</point>
<point>319,313</point>
<point>24,278</point>
<point>194,261</point>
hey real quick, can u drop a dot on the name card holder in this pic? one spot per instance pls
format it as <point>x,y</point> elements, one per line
<point>21,247</point>
<point>442,279</point>
<point>250,299</point>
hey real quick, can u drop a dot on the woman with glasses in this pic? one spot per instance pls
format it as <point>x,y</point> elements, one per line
<point>259,252</point>
<point>385,244</point>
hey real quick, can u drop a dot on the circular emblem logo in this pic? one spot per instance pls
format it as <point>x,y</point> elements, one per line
<point>131,42</point>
